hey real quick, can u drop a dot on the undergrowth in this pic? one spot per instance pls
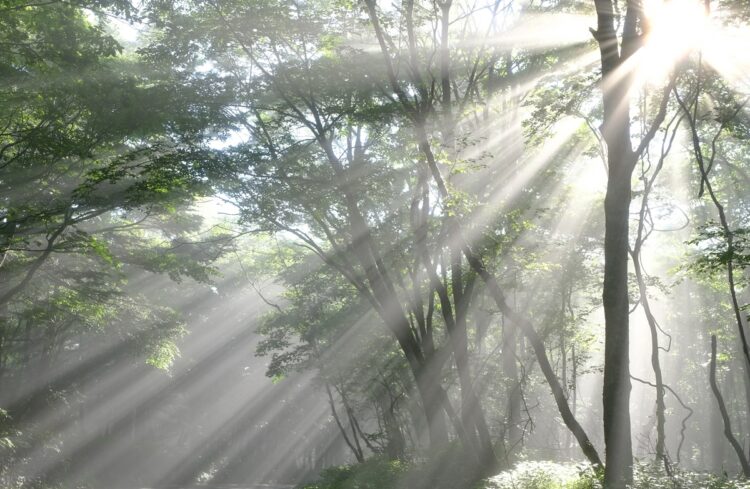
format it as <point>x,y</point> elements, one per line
<point>447,473</point>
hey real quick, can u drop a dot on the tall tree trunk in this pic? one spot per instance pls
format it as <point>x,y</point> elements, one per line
<point>744,463</point>
<point>395,444</point>
<point>566,290</point>
<point>512,388</point>
<point>621,159</point>
<point>717,443</point>
<point>388,305</point>
<point>616,391</point>
<point>471,410</point>
<point>574,380</point>
<point>541,354</point>
<point>433,396</point>
<point>414,111</point>
<point>641,236</point>
<point>354,447</point>
<point>660,450</point>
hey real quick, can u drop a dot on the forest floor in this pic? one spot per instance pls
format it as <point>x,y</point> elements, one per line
<point>381,474</point>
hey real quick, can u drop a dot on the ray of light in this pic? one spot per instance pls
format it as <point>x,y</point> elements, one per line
<point>120,392</point>
<point>540,31</point>
<point>728,55</point>
<point>304,425</point>
<point>677,28</point>
<point>513,179</point>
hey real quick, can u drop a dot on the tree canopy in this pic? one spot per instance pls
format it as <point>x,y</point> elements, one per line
<point>455,236</point>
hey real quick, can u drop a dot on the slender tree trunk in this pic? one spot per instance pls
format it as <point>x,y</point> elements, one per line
<point>705,163</point>
<point>616,390</point>
<point>395,440</point>
<point>660,450</point>
<point>565,293</point>
<point>725,415</point>
<point>355,448</point>
<point>512,388</point>
<point>426,371</point>
<point>495,291</point>
<point>472,411</point>
<point>574,380</point>
<point>717,442</point>
<point>621,159</point>
<point>415,114</point>
<point>499,298</point>
<point>541,354</point>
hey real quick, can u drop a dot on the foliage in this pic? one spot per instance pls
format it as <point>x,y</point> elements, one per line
<point>333,154</point>
<point>446,470</point>
<point>376,473</point>
<point>549,475</point>
<point>544,475</point>
<point>650,476</point>
<point>713,252</point>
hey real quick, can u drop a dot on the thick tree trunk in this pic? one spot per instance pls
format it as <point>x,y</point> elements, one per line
<point>433,397</point>
<point>395,444</point>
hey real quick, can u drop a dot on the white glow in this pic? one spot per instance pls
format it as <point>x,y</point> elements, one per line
<point>727,54</point>
<point>216,210</point>
<point>677,27</point>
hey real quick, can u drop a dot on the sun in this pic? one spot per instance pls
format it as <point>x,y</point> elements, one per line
<point>677,25</point>
<point>676,28</point>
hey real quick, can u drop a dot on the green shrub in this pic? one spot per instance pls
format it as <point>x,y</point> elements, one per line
<point>375,473</point>
<point>549,475</point>
<point>649,476</point>
<point>450,471</point>
<point>544,475</point>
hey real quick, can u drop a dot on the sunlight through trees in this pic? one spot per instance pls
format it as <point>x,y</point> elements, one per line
<point>374,244</point>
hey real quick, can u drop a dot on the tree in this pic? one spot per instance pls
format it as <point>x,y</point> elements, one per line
<point>617,84</point>
<point>91,188</point>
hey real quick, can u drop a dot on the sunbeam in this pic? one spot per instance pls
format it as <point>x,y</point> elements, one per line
<point>443,244</point>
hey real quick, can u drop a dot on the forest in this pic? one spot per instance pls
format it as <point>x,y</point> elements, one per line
<point>374,244</point>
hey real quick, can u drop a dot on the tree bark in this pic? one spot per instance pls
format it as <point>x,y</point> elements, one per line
<point>355,448</point>
<point>471,408</point>
<point>616,391</point>
<point>541,354</point>
<point>415,114</point>
<point>660,449</point>
<point>512,388</point>
<point>621,161</point>
<point>389,307</point>
<point>725,415</point>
